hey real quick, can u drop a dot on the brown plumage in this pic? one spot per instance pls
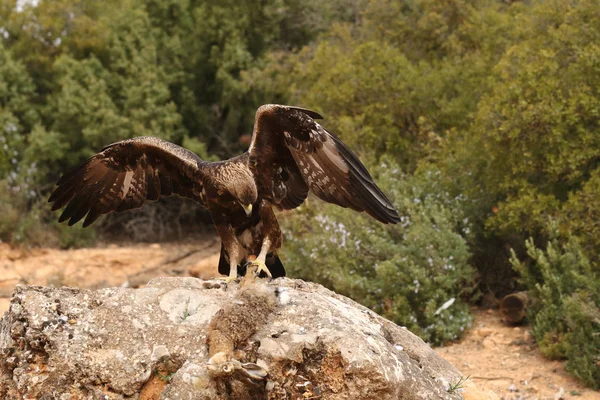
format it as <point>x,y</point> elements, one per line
<point>289,155</point>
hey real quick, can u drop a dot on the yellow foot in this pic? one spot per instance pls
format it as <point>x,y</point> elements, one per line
<point>261,267</point>
<point>227,279</point>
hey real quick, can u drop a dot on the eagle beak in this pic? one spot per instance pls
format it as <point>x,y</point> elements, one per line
<point>248,209</point>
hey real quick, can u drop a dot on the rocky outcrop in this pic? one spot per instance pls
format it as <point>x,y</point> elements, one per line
<point>151,343</point>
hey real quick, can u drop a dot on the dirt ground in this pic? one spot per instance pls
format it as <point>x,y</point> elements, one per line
<point>494,356</point>
<point>506,360</point>
<point>103,266</point>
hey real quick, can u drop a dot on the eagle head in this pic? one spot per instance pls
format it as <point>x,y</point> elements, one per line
<point>234,186</point>
<point>246,194</point>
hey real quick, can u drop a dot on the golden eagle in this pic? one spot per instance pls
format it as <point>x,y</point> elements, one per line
<point>289,155</point>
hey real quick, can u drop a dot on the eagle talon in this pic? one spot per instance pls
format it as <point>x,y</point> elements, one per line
<point>261,267</point>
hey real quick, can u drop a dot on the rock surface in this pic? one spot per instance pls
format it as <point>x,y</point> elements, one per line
<point>150,343</point>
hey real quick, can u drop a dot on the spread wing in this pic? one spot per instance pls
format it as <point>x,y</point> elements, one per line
<point>291,153</point>
<point>125,175</point>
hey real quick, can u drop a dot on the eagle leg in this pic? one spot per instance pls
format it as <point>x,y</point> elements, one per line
<point>234,260</point>
<point>233,275</point>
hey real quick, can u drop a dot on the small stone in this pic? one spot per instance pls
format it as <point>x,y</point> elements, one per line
<point>159,352</point>
<point>484,332</point>
<point>489,343</point>
<point>284,296</point>
<point>444,382</point>
<point>560,394</point>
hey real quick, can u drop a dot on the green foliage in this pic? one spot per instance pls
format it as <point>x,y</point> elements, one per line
<point>533,140</point>
<point>458,386</point>
<point>566,310</point>
<point>405,272</point>
<point>198,147</point>
<point>406,73</point>
<point>25,221</point>
<point>95,104</point>
<point>578,216</point>
<point>16,91</point>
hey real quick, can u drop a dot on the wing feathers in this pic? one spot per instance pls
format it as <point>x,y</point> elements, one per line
<point>92,216</point>
<point>78,206</point>
<point>75,172</point>
<point>109,197</point>
<point>62,197</point>
<point>166,188</point>
<point>310,113</point>
<point>153,183</point>
<point>360,178</point>
<point>123,176</point>
<point>326,165</point>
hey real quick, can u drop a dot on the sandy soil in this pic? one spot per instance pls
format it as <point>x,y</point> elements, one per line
<point>103,266</point>
<point>506,360</point>
<point>496,357</point>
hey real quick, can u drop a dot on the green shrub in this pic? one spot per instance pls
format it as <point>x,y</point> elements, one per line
<point>565,314</point>
<point>27,220</point>
<point>579,215</point>
<point>414,273</point>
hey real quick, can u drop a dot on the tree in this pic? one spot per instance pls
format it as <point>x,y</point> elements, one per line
<point>16,114</point>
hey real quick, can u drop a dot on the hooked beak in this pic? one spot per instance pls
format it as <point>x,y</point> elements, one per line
<point>248,209</point>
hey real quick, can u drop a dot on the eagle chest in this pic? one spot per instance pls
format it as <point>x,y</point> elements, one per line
<point>251,238</point>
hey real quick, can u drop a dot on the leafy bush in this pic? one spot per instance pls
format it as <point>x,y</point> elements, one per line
<point>27,221</point>
<point>533,140</point>
<point>415,273</point>
<point>565,314</point>
<point>579,216</point>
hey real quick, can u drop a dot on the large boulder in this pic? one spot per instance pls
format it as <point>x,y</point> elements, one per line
<point>150,343</point>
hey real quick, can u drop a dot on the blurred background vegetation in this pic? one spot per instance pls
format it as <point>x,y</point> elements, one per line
<point>480,118</point>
